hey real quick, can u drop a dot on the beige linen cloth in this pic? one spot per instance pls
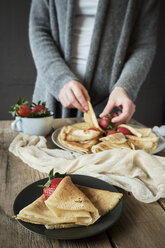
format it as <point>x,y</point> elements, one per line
<point>134,171</point>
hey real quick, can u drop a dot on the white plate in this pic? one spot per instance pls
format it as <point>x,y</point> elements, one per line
<point>160,147</point>
<point>57,142</point>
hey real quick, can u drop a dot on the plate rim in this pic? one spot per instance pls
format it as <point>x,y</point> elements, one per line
<point>118,209</point>
<point>57,142</point>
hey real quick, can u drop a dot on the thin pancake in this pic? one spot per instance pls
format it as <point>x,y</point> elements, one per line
<point>68,200</point>
<point>82,147</point>
<point>91,119</point>
<point>139,132</point>
<point>103,200</point>
<point>75,134</point>
<point>113,141</point>
<point>148,144</point>
<point>38,213</point>
<point>102,146</point>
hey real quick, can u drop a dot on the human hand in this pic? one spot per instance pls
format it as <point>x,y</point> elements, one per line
<point>74,95</point>
<point>119,98</point>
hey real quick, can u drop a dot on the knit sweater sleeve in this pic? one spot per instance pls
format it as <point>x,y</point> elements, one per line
<point>49,62</point>
<point>141,50</point>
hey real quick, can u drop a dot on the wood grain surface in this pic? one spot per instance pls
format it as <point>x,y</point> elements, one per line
<point>141,225</point>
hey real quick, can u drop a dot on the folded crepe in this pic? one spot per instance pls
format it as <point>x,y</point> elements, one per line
<point>117,140</point>
<point>139,132</point>
<point>103,200</point>
<point>91,119</point>
<point>141,138</point>
<point>68,201</point>
<point>83,146</point>
<point>69,206</point>
<point>147,143</point>
<point>70,133</point>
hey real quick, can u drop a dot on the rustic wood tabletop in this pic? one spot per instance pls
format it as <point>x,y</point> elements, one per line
<point>140,225</point>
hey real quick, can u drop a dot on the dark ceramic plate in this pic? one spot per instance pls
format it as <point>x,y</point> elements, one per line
<point>31,192</point>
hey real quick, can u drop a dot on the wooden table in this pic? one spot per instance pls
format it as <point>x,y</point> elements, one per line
<point>140,226</point>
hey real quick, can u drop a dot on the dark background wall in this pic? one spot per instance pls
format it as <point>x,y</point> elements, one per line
<point>17,70</point>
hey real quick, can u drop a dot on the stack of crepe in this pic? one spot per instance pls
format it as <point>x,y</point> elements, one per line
<point>88,137</point>
<point>70,205</point>
<point>141,138</point>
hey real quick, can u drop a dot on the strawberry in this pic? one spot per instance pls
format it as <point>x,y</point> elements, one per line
<point>20,108</point>
<point>111,132</point>
<point>52,183</point>
<point>39,110</point>
<point>105,122</point>
<point>123,130</point>
<point>24,110</point>
<point>49,190</point>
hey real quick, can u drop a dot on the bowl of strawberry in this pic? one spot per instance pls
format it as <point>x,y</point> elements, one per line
<point>34,119</point>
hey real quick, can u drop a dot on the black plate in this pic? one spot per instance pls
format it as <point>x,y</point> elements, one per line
<point>32,192</point>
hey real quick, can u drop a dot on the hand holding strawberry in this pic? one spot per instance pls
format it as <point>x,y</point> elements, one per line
<point>105,122</point>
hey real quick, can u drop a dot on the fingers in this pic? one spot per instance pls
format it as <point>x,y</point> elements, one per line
<point>128,110</point>
<point>119,98</point>
<point>108,109</point>
<point>74,95</point>
<point>80,98</point>
<point>87,97</point>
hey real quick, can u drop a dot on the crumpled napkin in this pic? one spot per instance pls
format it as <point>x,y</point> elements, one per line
<point>159,130</point>
<point>138,172</point>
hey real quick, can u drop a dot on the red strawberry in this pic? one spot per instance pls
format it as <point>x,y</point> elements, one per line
<point>24,110</point>
<point>105,122</point>
<point>52,183</point>
<point>124,130</point>
<point>111,132</point>
<point>38,108</point>
<point>49,190</point>
<point>21,108</point>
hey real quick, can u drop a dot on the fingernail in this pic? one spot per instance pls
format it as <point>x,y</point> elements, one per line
<point>112,120</point>
<point>101,115</point>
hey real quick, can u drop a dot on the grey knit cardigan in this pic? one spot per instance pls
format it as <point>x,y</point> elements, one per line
<point>121,53</point>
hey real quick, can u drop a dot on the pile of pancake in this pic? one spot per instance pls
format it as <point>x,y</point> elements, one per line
<point>70,205</point>
<point>88,137</point>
